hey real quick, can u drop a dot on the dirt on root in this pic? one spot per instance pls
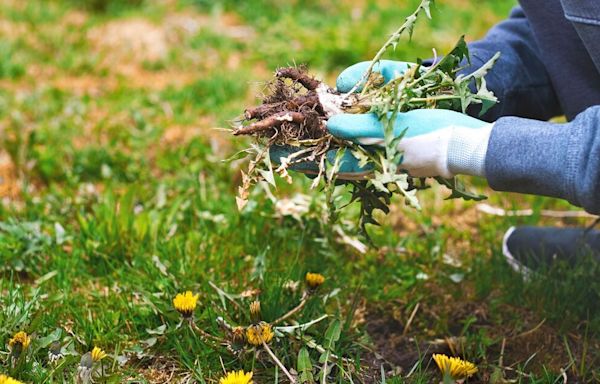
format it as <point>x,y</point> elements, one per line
<point>291,109</point>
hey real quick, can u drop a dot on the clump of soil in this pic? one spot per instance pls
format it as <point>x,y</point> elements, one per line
<point>292,110</point>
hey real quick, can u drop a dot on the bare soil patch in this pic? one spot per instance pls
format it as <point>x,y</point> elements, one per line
<point>136,40</point>
<point>517,335</point>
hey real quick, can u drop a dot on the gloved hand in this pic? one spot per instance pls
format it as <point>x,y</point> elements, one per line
<point>436,143</point>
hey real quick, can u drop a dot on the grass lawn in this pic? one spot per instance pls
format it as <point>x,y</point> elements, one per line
<point>116,196</point>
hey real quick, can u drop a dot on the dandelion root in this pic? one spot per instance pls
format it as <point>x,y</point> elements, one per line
<point>272,122</point>
<point>299,75</point>
<point>290,111</point>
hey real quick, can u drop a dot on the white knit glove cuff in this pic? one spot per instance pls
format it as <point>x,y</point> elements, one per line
<point>467,149</point>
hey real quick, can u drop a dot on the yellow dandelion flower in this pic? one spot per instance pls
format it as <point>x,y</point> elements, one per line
<point>455,367</point>
<point>259,333</point>
<point>20,339</point>
<point>9,380</point>
<point>239,377</point>
<point>98,354</point>
<point>314,280</point>
<point>185,303</point>
<point>255,310</point>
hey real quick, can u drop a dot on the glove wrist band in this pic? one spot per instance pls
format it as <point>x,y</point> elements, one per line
<point>467,149</point>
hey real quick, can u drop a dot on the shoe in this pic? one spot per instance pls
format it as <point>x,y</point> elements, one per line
<point>534,248</point>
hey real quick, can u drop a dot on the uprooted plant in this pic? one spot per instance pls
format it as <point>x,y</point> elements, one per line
<point>296,107</point>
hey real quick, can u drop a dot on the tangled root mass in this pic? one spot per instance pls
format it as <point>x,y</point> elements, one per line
<point>290,111</point>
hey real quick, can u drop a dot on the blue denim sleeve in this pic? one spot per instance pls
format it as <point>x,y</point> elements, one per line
<point>519,78</point>
<point>557,160</point>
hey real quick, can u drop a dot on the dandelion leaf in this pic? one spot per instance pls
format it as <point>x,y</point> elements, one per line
<point>305,368</point>
<point>459,191</point>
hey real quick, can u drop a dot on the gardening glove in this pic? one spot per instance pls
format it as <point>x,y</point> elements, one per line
<point>436,143</point>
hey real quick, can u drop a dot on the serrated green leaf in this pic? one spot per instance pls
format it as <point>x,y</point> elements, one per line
<point>484,69</point>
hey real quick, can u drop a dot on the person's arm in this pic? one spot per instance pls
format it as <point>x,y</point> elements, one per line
<point>558,160</point>
<point>519,78</point>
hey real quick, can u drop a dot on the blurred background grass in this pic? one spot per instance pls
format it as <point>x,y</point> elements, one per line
<point>110,160</point>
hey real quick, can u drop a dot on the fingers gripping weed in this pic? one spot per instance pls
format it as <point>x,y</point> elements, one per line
<point>295,110</point>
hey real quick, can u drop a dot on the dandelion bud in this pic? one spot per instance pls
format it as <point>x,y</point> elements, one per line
<point>15,351</point>
<point>86,361</point>
<point>255,311</point>
<point>84,370</point>
<point>55,352</point>
<point>314,280</point>
<point>238,338</point>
